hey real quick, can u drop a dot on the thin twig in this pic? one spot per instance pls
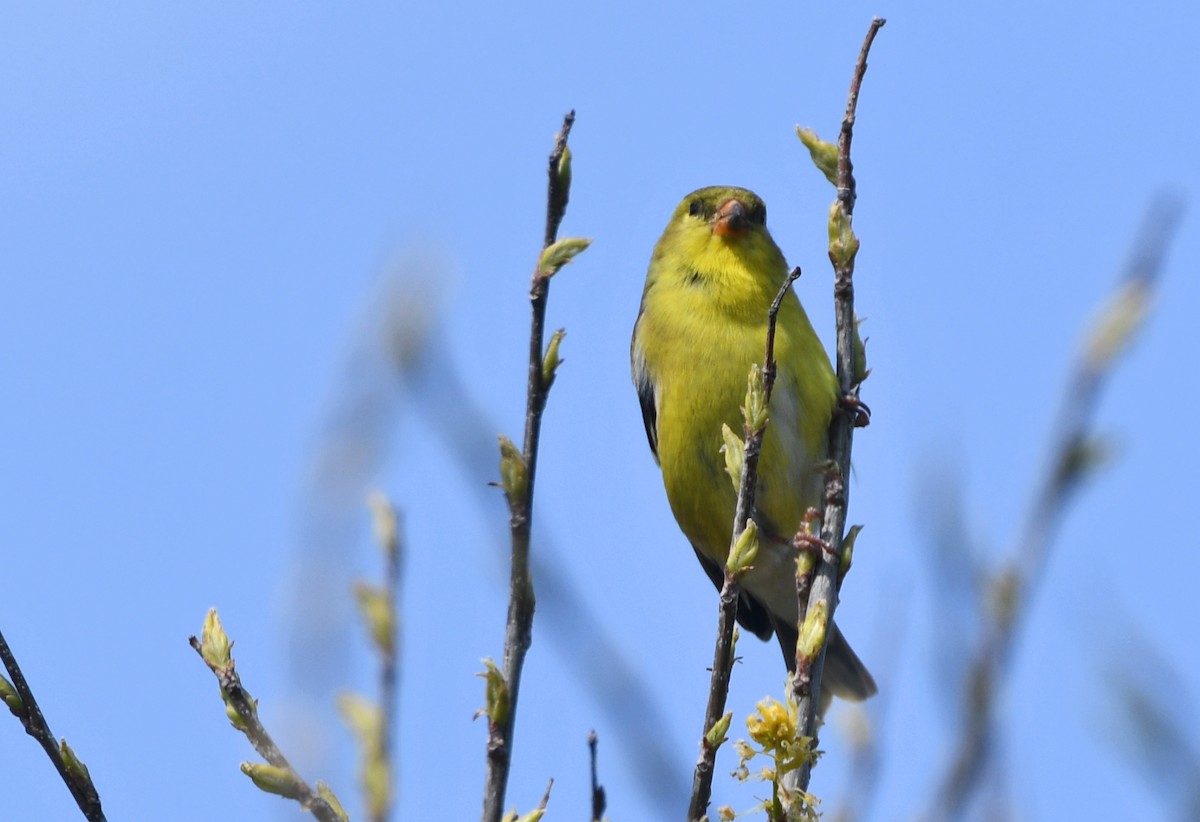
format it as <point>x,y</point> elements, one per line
<point>237,698</point>
<point>1069,464</point>
<point>822,596</point>
<point>722,667</point>
<point>78,782</point>
<point>389,667</point>
<point>599,801</point>
<point>380,607</point>
<point>518,631</point>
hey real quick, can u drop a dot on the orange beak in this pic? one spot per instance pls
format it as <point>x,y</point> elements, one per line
<point>730,219</point>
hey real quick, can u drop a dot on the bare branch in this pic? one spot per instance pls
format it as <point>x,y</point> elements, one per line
<point>518,631</point>
<point>72,771</point>
<point>243,713</point>
<point>599,801</point>
<point>822,595</point>
<point>1068,466</point>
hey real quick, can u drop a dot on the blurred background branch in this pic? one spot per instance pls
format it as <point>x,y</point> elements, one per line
<point>1004,599</point>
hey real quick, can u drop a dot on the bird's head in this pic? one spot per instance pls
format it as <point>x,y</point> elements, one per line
<point>718,237</point>
<point>727,212</point>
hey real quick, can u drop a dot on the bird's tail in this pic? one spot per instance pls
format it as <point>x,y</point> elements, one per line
<point>845,674</point>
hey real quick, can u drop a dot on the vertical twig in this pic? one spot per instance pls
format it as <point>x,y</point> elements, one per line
<point>78,782</point>
<point>380,606</point>
<point>599,801</point>
<point>718,690</point>
<point>822,596</point>
<point>388,674</point>
<point>518,631</point>
<point>1069,464</point>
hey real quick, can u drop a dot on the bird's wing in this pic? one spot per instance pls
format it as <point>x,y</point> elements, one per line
<point>645,390</point>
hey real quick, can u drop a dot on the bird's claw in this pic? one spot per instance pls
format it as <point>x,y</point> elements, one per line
<point>813,544</point>
<point>858,410</point>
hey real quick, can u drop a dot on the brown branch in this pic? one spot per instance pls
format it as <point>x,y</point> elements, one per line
<point>1070,463</point>
<point>77,780</point>
<point>822,595</point>
<point>722,667</point>
<point>518,631</point>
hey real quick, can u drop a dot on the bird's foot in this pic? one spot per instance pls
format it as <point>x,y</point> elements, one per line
<point>858,410</point>
<point>813,544</point>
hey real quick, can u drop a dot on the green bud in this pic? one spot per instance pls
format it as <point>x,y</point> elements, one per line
<point>73,763</point>
<point>720,729</point>
<point>564,169</point>
<point>860,352</point>
<point>11,698</point>
<point>1116,324</point>
<point>377,784</point>
<point>804,563</point>
<point>232,714</point>
<point>273,779</point>
<point>495,694</point>
<point>812,632</point>
<point>843,245</point>
<point>514,477</point>
<point>534,815</point>
<point>745,550</point>
<point>214,643</point>
<point>824,155</point>
<point>848,549</point>
<point>755,409</point>
<point>558,254</point>
<point>375,607</point>
<point>551,361</point>
<point>325,793</point>
<point>384,521</point>
<point>735,452</point>
<point>362,716</point>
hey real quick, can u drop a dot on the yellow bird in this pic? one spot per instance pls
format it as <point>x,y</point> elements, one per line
<point>702,323</point>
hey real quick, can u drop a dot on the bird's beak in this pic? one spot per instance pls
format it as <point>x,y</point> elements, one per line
<point>730,219</point>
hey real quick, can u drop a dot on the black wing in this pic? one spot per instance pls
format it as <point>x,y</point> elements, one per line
<point>645,392</point>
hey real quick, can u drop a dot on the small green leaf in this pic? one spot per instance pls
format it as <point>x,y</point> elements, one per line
<point>745,550</point>
<point>812,632</point>
<point>564,169</point>
<point>558,254</point>
<point>824,155</point>
<point>74,764</point>
<point>495,694</point>
<point>735,452</point>
<point>843,245</point>
<point>720,729</point>
<point>273,779</point>
<point>755,409</point>
<point>551,361</point>
<point>514,476</point>
<point>11,698</point>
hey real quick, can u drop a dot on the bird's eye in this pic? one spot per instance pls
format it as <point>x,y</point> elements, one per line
<point>758,214</point>
<point>696,207</point>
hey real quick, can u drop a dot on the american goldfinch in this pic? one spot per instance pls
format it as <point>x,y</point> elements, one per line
<point>702,323</point>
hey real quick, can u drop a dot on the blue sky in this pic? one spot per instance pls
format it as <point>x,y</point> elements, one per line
<point>207,211</point>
